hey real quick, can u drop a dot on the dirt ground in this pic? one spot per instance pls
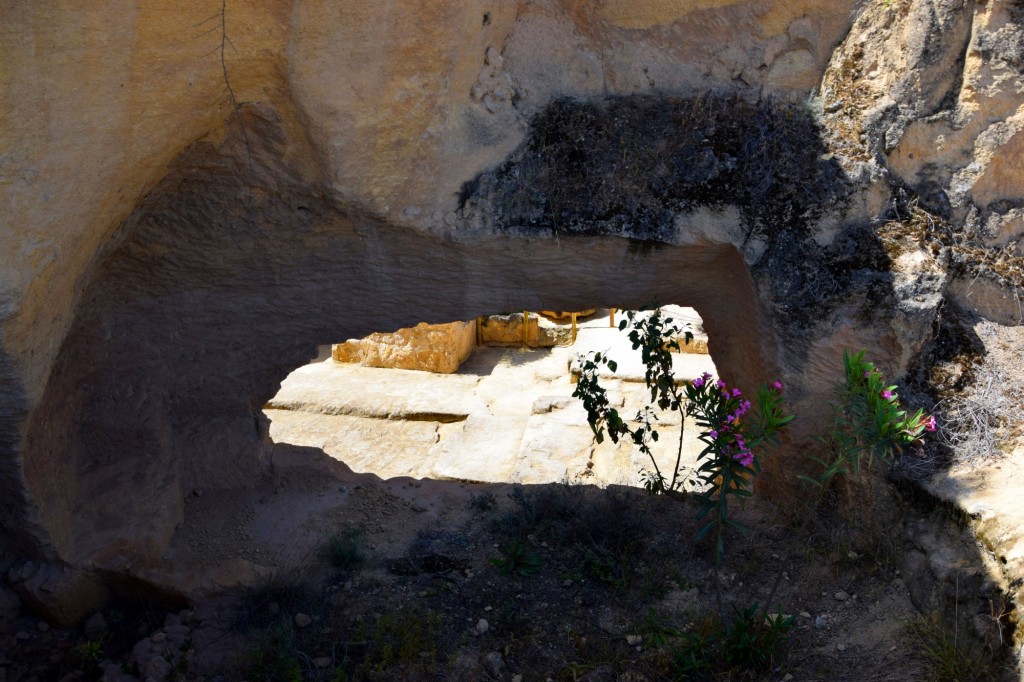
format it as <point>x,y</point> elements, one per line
<point>432,580</point>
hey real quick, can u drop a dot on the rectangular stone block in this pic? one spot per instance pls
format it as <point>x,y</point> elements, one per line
<point>439,348</point>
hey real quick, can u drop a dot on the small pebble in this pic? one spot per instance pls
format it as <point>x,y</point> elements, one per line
<point>158,637</point>
<point>482,626</point>
<point>841,596</point>
<point>96,626</point>
<point>22,635</point>
<point>840,647</point>
<point>494,665</point>
<point>322,662</point>
<point>804,614</point>
<point>633,640</point>
<point>302,620</point>
<point>43,626</point>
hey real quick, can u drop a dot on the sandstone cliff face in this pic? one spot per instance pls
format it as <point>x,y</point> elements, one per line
<point>933,93</point>
<point>166,260</point>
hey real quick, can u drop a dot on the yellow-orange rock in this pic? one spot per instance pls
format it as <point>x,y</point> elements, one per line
<point>509,330</point>
<point>437,348</point>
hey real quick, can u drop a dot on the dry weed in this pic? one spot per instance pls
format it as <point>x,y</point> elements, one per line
<point>977,421</point>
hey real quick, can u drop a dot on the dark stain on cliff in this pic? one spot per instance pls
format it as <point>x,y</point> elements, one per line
<point>628,165</point>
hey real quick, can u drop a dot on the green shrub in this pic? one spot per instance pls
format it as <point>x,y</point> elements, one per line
<point>948,659</point>
<point>517,558</point>
<point>345,550</point>
<point>727,465</point>
<point>752,643</point>
<point>869,423</point>
<point>273,658</point>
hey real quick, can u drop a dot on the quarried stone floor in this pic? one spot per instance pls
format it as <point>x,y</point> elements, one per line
<point>508,415</point>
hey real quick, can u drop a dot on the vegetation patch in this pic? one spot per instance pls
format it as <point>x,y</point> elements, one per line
<point>628,165</point>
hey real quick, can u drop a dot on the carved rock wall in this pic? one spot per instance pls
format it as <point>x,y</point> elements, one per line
<point>158,391</point>
<point>403,103</point>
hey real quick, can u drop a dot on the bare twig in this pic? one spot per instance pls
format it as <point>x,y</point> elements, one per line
<point>972,423</point>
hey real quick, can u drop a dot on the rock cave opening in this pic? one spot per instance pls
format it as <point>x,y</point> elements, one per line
<point>488,400</point>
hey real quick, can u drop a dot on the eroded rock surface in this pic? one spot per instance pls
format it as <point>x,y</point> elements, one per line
<point>933,94</point>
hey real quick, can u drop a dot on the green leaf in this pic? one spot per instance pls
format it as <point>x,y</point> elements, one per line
<point>704,530</point>
<point>736,525</point>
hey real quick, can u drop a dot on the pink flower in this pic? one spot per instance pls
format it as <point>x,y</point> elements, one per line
<point>778,386</point>
<point>887,394</point>
<point>744,457</point>
<point>720,383</point>
<point>736,393</point>
<point>930,425</point>
<point>867,374</point>
<point>698,382</point>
